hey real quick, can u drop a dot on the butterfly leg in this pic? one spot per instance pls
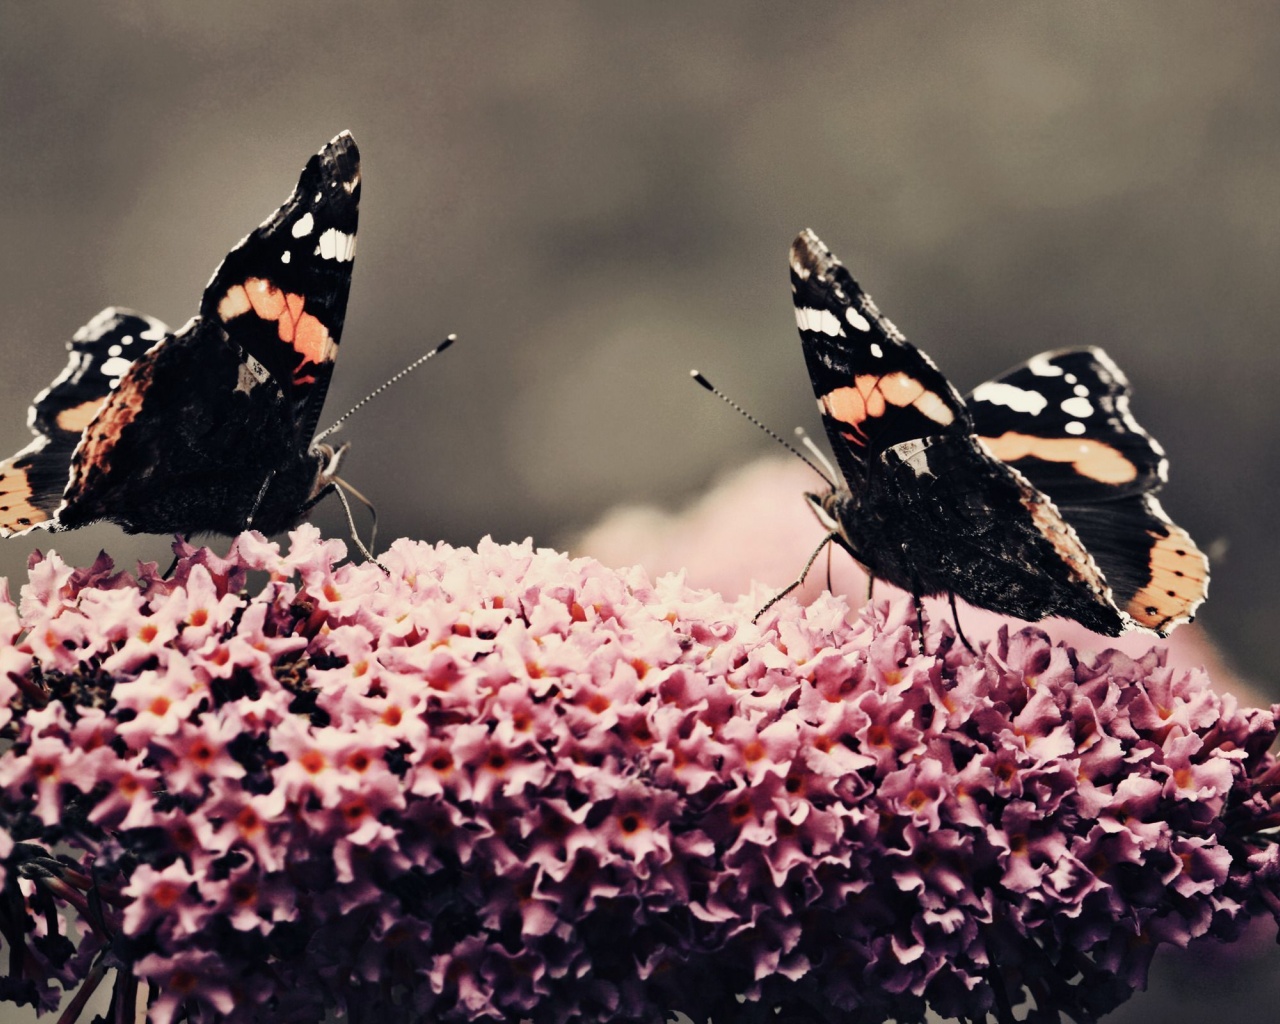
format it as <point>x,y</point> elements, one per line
<point>800,579</point>
<point>174,564</point>
<point>959,632</point>
<point>351,524</point>
<point>919,618</point>
<point>373,511</point>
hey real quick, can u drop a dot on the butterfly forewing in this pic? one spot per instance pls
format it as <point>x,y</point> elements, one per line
<point>874,389</point>
<point>1063,420</point>
<point>281,294</point>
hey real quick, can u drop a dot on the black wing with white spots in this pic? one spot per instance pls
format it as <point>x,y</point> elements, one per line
<point>874,388</point>
<point>1062,420</point>
<point>33,481</point>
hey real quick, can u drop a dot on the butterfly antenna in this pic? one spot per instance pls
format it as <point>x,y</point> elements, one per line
<point>785,444</point>
<point>384,385</point>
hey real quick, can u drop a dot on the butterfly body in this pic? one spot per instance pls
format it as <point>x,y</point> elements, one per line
<point>208,429</point>
<point>1033,498</point>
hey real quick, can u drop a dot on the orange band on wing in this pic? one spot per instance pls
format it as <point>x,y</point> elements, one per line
<point>1179,579</point>
<point>870,395</point>
<point>301,331</point>
<point>1089,458</point>
<point>76,418</point>
<point>18,511</point>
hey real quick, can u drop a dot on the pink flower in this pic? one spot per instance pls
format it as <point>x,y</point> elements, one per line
<point>504,783</point>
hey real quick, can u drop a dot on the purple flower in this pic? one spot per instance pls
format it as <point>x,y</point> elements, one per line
<point>506,784</point>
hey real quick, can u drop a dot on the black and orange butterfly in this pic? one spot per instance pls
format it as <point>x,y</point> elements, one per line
<point>210,428</point>
<point>1033,497</point>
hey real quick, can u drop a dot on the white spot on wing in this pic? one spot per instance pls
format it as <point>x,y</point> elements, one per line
<point>96,327</point>
<point>1070,378</point>
<point>1019,400</point>
<point>116,366</point>
<point>1081,391</point>
<point>304,226</point>
<point>251,373</point>
<point>876,350</point>
<point>1077,407</point>
<point>1074,427</point>
<point>820,321</point>
<point>286,256</point>
<point>1041,367</point>
<point>114,350</point>
<point>337,245</point>
<point>856,320</point>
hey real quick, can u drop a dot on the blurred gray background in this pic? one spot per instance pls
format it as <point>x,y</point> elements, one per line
<point>598,197</point>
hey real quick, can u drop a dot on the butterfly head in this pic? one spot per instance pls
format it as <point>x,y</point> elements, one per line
<point>832,508</point>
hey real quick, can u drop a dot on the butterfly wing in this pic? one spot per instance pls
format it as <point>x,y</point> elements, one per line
<point>211,430</point>
<point>958,521</point>
<point>1062,420</point>
<point>874,388</point>
<point>33,481</point>
<point>281,294</point>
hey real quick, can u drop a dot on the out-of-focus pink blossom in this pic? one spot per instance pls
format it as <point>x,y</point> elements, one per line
<point>507,784</point>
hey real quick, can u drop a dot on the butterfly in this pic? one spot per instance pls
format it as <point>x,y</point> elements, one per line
<point>1033,497</point>
<point>209,428</point>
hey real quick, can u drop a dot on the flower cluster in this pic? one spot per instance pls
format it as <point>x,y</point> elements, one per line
<point>506,784</point>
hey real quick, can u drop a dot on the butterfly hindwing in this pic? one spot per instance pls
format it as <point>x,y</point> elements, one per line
<point>183,444</point>
<point>32,482</point>
<point>1157,574</point>
<point>957,521</point>
<point>1063,420</point>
